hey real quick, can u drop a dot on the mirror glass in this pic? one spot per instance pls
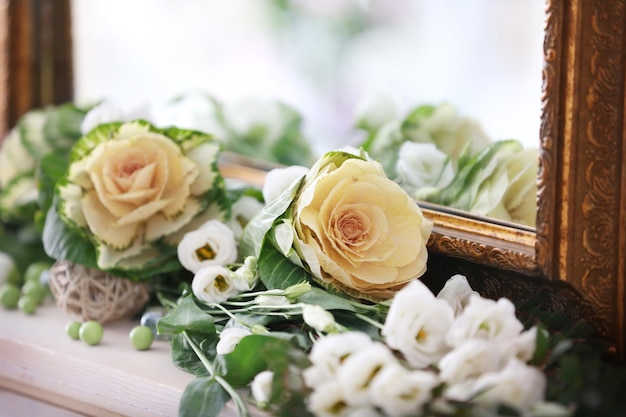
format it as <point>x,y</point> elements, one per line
<point>325,58</point>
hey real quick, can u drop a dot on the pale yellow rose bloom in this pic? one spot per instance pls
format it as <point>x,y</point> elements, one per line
<point>134,189</point>
<point>358,230</point>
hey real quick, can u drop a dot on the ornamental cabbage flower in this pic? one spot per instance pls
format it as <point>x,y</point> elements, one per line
<point>134,190</point>
<point>356,229</point>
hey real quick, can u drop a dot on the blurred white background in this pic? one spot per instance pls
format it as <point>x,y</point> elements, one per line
<point>320,56</point>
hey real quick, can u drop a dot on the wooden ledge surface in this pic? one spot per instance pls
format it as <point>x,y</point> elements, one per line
<point>39,360</point>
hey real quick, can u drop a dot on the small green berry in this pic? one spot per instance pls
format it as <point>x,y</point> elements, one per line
<point>72,328</point>
<point>35,290</point>
<point>9,295</point>
<point>27,304</point>
<point>34,271</point>
<point>91,332</point>
<point>141,337</point>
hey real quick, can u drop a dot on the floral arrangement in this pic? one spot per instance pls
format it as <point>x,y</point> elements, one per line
<point>441,157</point>
<point>303,297</point>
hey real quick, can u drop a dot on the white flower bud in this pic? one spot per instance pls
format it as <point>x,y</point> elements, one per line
<point>212,244</point>
<point>272,300</point>
<point>230,338</point>
<point>318,318</point>
<point>247,275</point>
<point>261,387</point>
<point>242,211</point>
<point>212,284</point>
<point>280,179</point>
<point>456,292</point>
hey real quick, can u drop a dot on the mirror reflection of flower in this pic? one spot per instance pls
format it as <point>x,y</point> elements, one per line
<point>445,158</point>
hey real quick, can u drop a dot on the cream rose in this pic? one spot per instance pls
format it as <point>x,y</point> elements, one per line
<point>132,186</point>
<point>358,230</point>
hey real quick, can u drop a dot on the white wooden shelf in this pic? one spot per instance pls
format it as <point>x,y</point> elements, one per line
<point>38,360</point>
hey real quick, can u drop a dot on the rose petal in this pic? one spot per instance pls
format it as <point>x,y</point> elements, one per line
<point>159,225</point>
<point>203,156</point>
<point>103,224</point>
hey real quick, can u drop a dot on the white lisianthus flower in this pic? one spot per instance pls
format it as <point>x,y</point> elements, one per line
<point>104,112</point>
<point>318,318</point>
<point>423,165</point>
<point>456,292</point>
<point>517,385</point>
<point>451,133</point>
<point>360,369</point>
<point>108,111</point>
<point>250,115</point>
<point>417,325</point>
<point>279,179</point>
<point>261,387</point>
<point>246,276</point>
<point>327,400</point>
<point>213,284</point>
<point>525,345</point>
<point>399,391</point>
<point>242,211</point>
<point>377,109</point>
<point>362,412</point>
<point>230,338</point>
<point>472,359</point>
<point>329,352</point>
<point>486,319</point>
<point>213,243</point>
<point>196,111</point>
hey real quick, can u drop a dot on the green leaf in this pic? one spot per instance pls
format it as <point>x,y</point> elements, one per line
<point>278,272</point>
<point>255,232</point>
<point>186,316</point>
<point>251,356</point>
<point>542,345</point>
<point>203,397</point>
<point>184,357</point>
<point>52,168</point>
<point>60,241</point>
<point>330,301</point>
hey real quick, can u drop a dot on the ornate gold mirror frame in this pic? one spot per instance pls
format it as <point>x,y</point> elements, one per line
<point>580,237</point>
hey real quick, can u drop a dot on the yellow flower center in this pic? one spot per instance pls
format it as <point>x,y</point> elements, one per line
<point>220,283</point>
<point>205,253</point>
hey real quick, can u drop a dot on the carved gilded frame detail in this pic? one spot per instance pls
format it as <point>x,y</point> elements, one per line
<point>581,219</point>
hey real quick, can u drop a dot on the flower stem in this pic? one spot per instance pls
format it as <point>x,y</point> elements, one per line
<point>371,321</point>
<point>242,410</point>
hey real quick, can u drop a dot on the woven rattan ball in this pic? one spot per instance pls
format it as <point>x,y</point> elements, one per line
<point>90,294</point>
